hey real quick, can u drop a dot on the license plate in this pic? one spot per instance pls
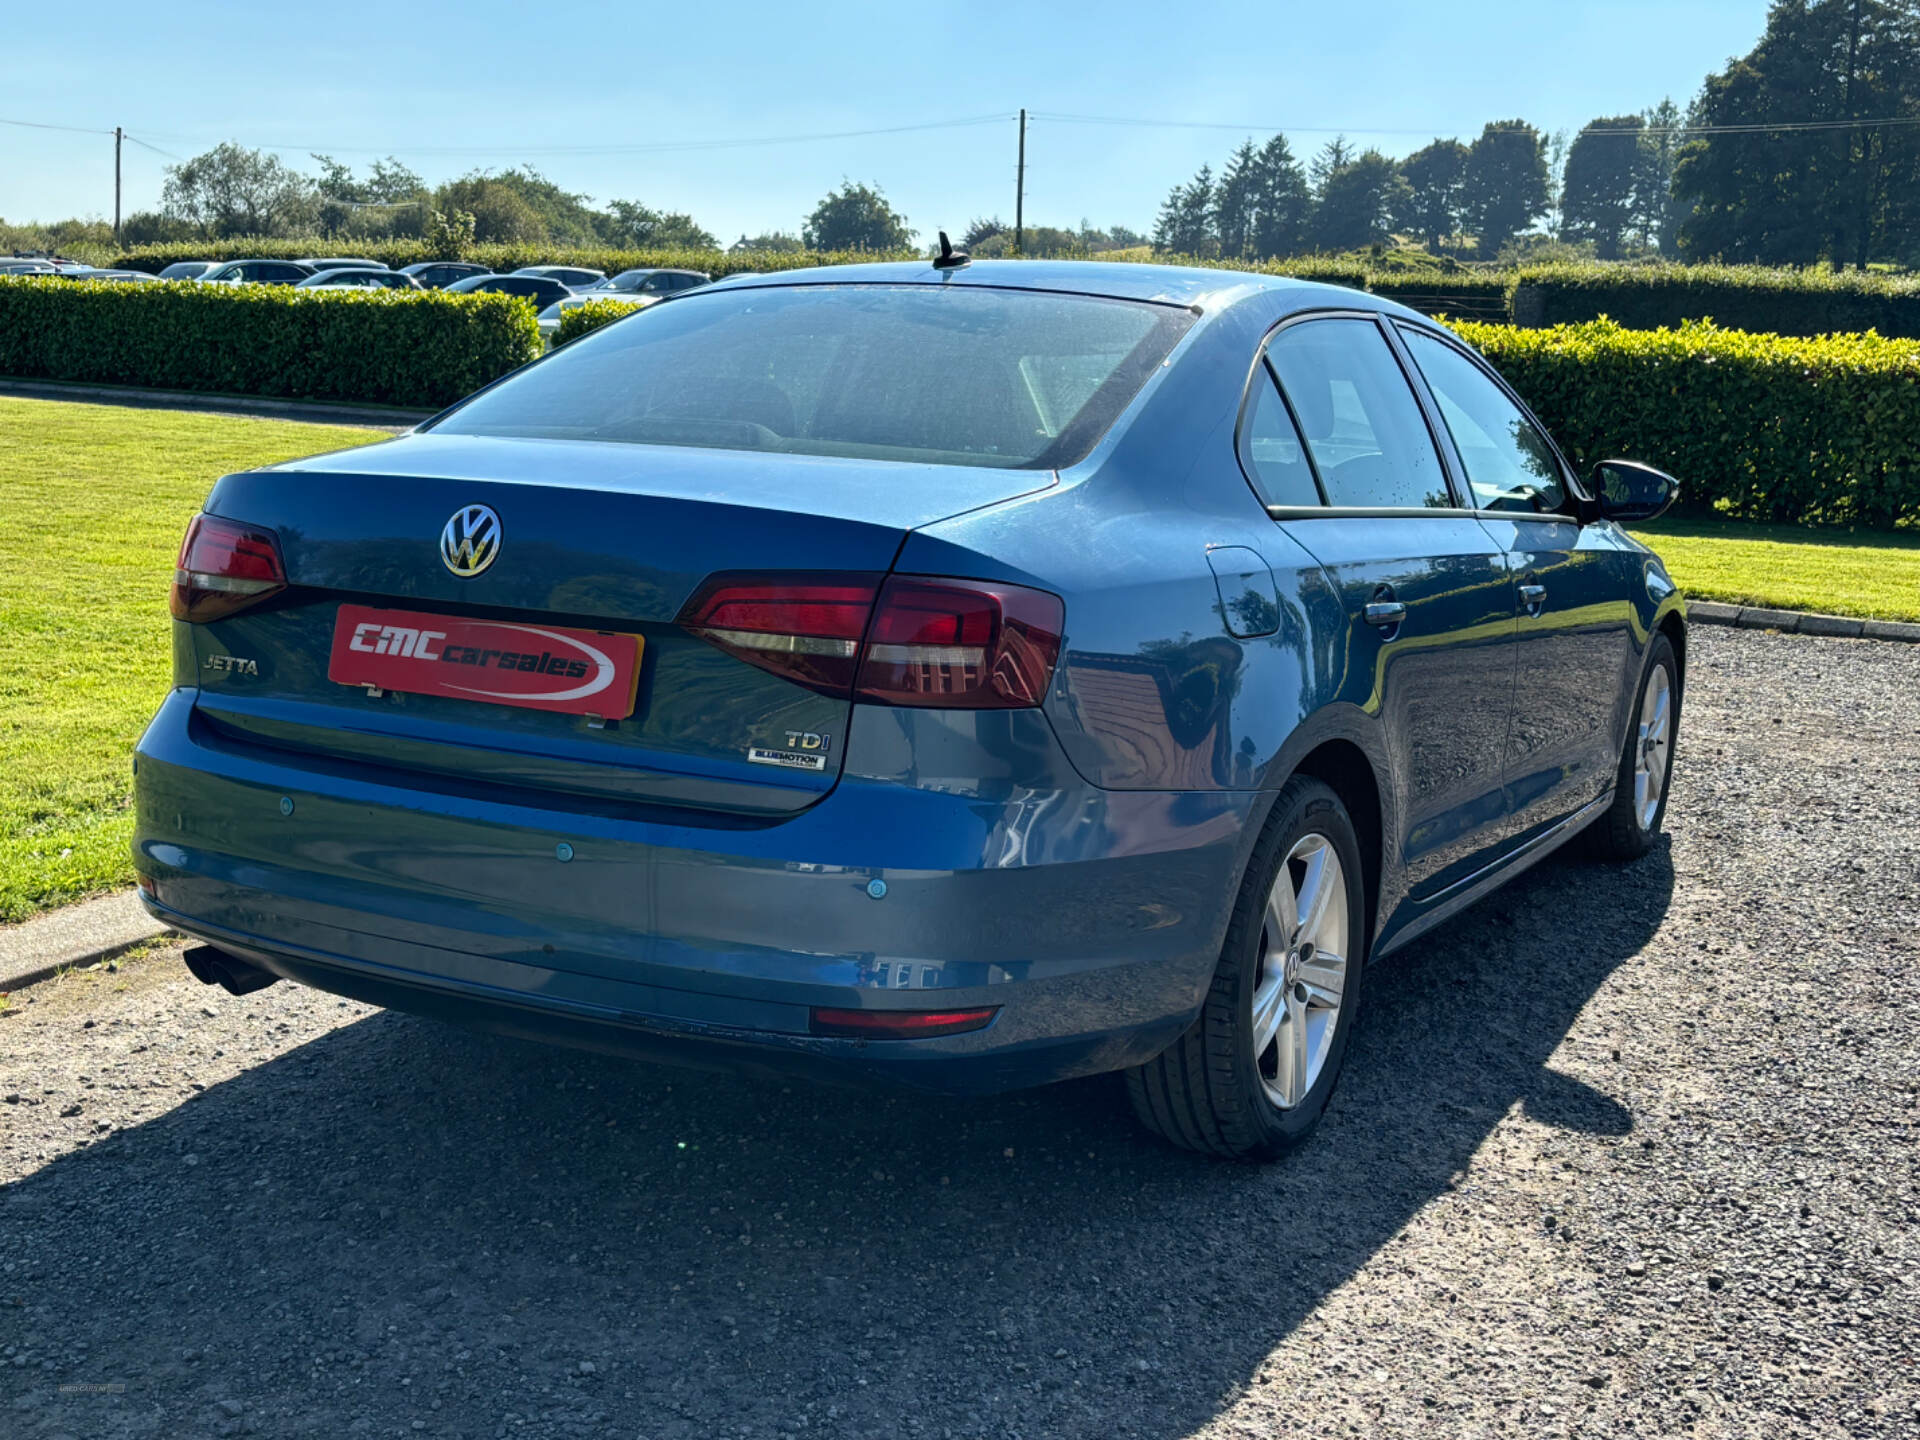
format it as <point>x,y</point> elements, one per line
<point>498,662</point>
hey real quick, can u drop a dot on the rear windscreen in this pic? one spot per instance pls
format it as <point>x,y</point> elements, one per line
<point>948,374</point>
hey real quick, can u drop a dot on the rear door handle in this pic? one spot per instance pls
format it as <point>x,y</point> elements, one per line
<point>1532,597</point>
<point>1385,613</point>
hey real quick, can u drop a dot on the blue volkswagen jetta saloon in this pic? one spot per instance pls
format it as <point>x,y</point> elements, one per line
<point>977,676</point>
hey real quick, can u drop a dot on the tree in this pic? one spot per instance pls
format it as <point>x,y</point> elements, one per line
<point>855,217</point>
<point>1505,185</point>
<point>983,230</point>
<point>644,228</point>
<point>1235,201</point>
<point>1842,193</point>
<point>1600,198</point>
<point>782,241</point>
<point>1334,155</point>
<point>1435,178</point>
<point>501,213</point>
<point>449,236</point>
<point>524,206</point>
<point>231,190</point>
<point>1358,203</point>
<point>1185,226</point>
<point>1656,214</point>
<point>1283,203</point>
<point>378,205</point>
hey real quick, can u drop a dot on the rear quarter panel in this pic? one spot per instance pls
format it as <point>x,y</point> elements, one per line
<point>1153,691</point>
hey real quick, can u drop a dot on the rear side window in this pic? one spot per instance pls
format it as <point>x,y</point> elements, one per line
<point>1509,463</point>
<point>954,374</point>
<point>1275,458</point>
<point>1362,422</point>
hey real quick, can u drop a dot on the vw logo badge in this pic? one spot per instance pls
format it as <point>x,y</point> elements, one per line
<point>471,540</point>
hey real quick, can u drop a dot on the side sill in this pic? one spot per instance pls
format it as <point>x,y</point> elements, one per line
<point>1482,882</point>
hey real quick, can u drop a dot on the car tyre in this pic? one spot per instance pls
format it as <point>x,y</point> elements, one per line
<point>1252,1075</point>
<point>1632,823</point>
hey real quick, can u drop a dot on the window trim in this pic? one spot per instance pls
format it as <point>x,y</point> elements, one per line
<point>1576,496</point>
<point>1416,386</point>
<point>1243,435</point>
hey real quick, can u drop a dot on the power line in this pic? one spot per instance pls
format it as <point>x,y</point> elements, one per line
<point>646,148</point>
<point>155,149</point>
<point>43,125</point>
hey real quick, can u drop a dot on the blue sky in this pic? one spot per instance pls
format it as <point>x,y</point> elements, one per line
<point>450,87</point>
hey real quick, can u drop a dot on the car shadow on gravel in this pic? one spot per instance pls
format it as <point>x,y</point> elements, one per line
<point>402,1221</point>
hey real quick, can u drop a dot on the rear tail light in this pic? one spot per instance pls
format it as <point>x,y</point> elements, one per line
<point>912,640</point>
<point>898,1024</point>
<point>805,628</point>
<point>964,644</point>
<point>224,566</point>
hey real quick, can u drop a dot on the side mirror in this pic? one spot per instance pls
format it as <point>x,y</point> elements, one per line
<point>1631,493</point>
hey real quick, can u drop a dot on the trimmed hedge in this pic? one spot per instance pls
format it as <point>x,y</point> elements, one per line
<point>1756,427</point>
<point>419,349</point>
<point>577,320</point>
<point>1737,297</point>
<point>1642,296</point>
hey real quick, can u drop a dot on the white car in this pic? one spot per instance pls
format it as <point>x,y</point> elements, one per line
<point>549,318</point>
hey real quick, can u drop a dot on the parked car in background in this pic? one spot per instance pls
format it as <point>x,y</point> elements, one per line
<point>343,279</point>
<point>438,274</point>
<point>549,318</point>
<point>89,272</point>
<point>574,277</point>
<point>345,263</point>
<point>541,291</point>
<point>652,284</point>
<point>14,266</point>
<point>187,269</point>
<point>258,272</point>
<point>977,677</point>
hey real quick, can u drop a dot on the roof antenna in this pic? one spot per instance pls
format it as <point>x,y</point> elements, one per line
<point>950,258</point>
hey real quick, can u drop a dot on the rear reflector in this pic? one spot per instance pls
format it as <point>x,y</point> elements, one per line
<point>224,566</point>
<point>899,1024</point>
<point>913,640</point>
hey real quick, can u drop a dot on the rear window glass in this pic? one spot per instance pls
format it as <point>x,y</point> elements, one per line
<point>954,374</point>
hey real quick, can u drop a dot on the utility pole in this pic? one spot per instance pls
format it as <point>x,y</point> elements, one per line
<point>1020,192</point>
<point>118,136</point>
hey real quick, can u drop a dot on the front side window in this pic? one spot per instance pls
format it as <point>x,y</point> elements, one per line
<point>1509,463</point>
<point>1361,421</point>
<point>956,375</point>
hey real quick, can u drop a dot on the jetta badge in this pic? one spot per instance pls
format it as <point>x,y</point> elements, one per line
<point>470,541</point>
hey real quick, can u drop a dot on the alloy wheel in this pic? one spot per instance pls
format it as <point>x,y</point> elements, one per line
<point>1302,971</point>
<point>1656,739</point>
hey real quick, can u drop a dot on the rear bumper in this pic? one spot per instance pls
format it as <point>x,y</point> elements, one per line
<point>1092,919</point>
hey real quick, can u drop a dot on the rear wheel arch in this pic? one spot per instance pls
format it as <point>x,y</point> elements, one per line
<point>1345,769</point>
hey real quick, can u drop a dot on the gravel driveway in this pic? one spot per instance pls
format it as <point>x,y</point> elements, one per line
<point>1621,1151</point>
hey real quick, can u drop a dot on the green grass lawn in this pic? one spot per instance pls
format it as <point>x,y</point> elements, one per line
<point>93,500</point>
<point>1784,567</point>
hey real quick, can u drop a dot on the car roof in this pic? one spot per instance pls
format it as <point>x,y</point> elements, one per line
<point>1186,285</point>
